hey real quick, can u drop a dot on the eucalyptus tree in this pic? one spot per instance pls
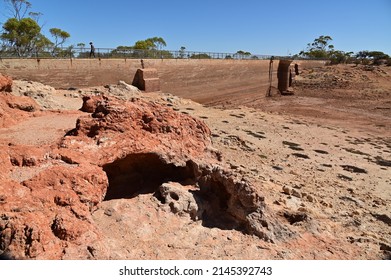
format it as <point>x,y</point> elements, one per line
<point>319,48</point>
<point>21,34</point>
<point>60,36</point>
<point>18,8</point>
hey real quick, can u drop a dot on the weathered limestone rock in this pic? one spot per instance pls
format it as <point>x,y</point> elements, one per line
<point>180,200</point>
<point>40,93</point>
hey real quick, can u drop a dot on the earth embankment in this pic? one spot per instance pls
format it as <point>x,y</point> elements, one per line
<point>202,80</point>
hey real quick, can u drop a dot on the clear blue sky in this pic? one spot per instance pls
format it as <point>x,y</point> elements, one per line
<point>275,27</point>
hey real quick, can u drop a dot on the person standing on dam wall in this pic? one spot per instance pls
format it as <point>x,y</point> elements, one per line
<point>92,51</point>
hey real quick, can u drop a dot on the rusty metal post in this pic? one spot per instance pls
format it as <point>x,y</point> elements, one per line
<point>269,90</point>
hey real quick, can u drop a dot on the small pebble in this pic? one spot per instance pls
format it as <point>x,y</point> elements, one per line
<point>287,190</point>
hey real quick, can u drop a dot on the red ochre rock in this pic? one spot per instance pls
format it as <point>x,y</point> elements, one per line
<point>90,103</point>
<point>120,150</point>
<point>51,211</point>
<point>48,215</point>
<point>15,108</point>
<point>117,128</point>
<point>5,83</point>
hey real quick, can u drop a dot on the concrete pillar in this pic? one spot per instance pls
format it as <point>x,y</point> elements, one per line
<point>283,75</point>
<point>147,80</point>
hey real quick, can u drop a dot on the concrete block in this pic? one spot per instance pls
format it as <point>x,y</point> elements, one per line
<point>147,80</point>
<point>151,85</point>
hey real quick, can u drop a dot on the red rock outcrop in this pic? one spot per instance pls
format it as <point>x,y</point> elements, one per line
<point>14,109</point>
<point>90,103</point>
<point>146,145</point>
<point>5,83</point>
<point>45,213</point>
<point>119,151</point>
<point>118,128</point>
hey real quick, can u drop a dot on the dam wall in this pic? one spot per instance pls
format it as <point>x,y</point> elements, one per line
<point>197,79</point>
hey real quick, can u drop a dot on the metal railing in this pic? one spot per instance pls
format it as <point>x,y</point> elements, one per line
<point>129,53</point>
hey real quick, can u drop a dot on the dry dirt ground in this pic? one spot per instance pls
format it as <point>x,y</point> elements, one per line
<point>322,158</point>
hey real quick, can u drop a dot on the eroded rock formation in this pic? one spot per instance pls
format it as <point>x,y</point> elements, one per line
<point>5,83</point>
<point>13,108</point>
<point>121,150</point>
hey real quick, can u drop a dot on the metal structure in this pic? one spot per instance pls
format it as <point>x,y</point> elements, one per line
<point>269,90</point>
<point>129,53</point>
<point>284,76</point>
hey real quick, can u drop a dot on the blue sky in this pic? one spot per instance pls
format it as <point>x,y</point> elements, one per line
<point>276,27</point>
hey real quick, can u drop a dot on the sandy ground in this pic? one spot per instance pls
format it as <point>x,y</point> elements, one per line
<point>322,158</point>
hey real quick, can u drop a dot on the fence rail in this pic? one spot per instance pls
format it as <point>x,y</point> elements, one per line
<point>129,53</point>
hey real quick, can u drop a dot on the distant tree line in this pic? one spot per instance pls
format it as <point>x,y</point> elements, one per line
<point>321,48</point>
<point>151,47</point>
